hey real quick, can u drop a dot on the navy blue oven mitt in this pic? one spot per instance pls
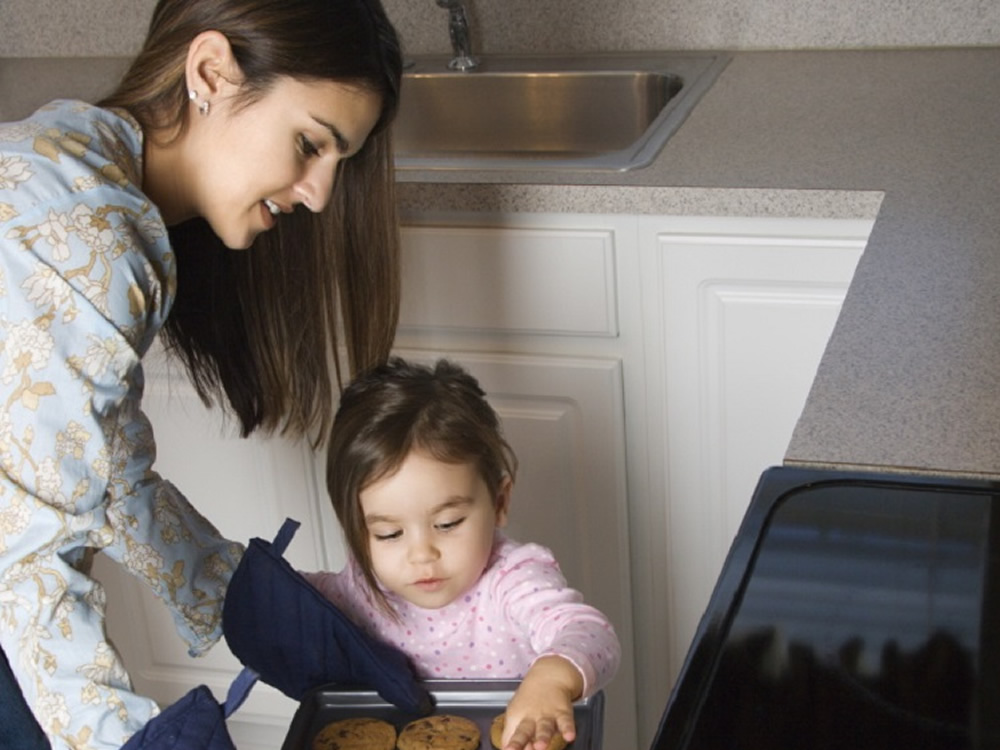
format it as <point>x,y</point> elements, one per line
<point>284,630</point>
<point>195,722</point>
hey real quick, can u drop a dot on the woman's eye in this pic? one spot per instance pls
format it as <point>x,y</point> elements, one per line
<point>307,147</point>
<point>449,525</point>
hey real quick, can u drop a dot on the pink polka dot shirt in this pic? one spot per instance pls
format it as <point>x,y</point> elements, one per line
<point>519,610</point>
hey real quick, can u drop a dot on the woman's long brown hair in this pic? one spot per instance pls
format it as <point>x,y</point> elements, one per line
<point>258,330</point>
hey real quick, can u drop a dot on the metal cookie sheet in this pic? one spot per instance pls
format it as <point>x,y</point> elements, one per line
<point>480,701</point>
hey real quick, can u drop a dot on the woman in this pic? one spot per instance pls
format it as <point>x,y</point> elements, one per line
<point>235,194</point>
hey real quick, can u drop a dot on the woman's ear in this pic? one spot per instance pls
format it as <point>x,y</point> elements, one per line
<point>501,503</point>
<point>211,68</point>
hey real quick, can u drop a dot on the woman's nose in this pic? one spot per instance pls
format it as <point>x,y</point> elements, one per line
<point>316,186</point>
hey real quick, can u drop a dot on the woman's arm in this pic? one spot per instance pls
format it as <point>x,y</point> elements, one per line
<point>85,285</point>
<point>68,377</point>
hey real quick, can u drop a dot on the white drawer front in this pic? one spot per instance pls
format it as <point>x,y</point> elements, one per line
<point>521,280</point>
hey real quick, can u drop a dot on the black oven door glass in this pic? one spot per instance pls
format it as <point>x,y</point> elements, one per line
<point>858,614</point>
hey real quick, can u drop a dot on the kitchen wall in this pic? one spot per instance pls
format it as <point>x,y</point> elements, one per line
<point>39,28</point>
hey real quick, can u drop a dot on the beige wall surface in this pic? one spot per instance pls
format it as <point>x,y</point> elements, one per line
<point>42,28</point>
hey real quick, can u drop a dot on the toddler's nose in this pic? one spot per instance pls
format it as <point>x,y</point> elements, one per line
<point>422,551</point>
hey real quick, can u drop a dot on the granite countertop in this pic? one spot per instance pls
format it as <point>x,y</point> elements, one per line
<point>910,380</point>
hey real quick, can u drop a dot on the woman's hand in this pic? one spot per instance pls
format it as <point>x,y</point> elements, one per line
<point>542,705</point>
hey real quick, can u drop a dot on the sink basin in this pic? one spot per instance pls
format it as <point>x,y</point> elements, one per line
<point>583,112</point>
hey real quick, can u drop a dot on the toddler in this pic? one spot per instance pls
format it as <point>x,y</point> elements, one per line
<point>420,476</point>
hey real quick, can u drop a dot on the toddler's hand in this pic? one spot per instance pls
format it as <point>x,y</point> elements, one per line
<point>542,705</point>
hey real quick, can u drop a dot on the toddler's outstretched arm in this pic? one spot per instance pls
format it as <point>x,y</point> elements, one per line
<point>542,705</point>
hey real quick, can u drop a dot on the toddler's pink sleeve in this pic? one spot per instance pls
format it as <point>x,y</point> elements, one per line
<point>535,593</point>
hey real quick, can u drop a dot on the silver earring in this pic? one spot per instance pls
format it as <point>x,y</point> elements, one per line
<point>203,107</point>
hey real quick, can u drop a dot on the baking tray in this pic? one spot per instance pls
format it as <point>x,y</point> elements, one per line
<point>480,701</point>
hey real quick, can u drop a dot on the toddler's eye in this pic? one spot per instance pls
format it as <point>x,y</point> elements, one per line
<point>449,525</point>
<point>387,536</point>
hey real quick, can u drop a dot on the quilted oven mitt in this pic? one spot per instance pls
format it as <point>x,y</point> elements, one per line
<point>195,722</point>
<point>295,639</point>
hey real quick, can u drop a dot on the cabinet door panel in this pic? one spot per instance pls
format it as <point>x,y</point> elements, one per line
<point>746,310</point>
<point>526,279</point>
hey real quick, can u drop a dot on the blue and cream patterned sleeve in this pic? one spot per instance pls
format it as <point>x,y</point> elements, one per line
<point>86,281</point>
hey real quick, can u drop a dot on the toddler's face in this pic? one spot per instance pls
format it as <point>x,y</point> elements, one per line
<point>430,529</point>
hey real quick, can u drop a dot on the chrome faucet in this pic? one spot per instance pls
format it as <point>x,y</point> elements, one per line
<point>458,30</point>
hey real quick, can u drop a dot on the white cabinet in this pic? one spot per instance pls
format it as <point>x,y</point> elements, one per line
<point>647,369</point>
<point>715,327</point>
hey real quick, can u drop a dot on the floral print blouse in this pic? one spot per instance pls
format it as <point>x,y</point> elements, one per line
<point>87,279</point>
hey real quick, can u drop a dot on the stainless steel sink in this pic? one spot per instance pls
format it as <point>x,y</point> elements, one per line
<point>598,112</point>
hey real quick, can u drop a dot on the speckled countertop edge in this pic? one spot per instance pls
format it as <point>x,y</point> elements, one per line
<point>674,201</point>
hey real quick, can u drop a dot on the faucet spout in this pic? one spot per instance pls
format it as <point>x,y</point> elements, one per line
<point>458,31</point>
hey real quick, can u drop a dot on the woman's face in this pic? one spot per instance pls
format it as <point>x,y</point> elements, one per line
<point>430,528</point>
<point>253,164</point>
